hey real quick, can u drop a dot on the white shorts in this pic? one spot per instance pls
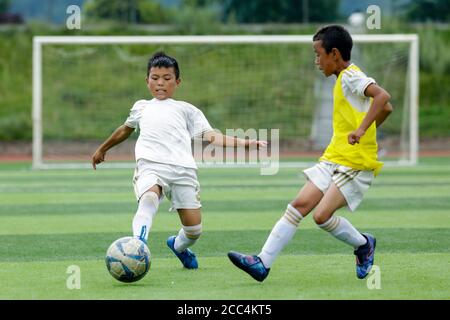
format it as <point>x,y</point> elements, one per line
<point>352,183</point>
<point>179,184</point>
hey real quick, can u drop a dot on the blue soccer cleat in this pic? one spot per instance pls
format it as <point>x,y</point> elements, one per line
<point>365,256</point>
<point>250,264</point>
<point>187,257</point>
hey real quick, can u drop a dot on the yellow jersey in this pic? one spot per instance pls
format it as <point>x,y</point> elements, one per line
<point>350,106</point>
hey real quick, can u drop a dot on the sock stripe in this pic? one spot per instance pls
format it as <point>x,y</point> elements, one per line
<point>143,232</point>
<point>331,224</point>
<point>191,235</point>
<point>294,211</point>
<point>193,232</point>
<point>335,224</point>
<point>292,215</point>
<point>290,220</point>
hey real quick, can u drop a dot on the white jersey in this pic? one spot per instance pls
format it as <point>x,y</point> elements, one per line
<point>166,129</point>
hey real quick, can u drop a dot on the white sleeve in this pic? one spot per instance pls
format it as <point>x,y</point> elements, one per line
<point>356,81</point>
<point>135,114</point>
<point>197,124</point>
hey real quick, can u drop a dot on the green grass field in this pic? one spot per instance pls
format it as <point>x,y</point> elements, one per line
<point>50,220</point>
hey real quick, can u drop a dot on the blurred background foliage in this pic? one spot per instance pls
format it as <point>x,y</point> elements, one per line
<point>23,19</point>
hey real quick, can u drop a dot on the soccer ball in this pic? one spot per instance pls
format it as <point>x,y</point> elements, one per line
<point>128,259</point>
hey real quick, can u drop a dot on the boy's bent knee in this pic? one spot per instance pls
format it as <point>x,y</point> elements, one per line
<point>320,217</point>
<point>302,206</point>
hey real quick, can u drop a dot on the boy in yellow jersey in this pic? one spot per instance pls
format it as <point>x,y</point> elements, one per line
<point>347,167</point>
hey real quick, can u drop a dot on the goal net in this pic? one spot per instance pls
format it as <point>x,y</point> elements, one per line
<point>84,87</point>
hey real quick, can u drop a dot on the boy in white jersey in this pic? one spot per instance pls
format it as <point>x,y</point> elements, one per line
<point>346,168</point>
<point>164,161</point>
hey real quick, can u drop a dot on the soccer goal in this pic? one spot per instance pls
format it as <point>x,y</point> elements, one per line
<point>84,86</point>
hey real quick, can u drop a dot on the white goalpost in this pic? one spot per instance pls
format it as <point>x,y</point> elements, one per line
<point>84,86</point>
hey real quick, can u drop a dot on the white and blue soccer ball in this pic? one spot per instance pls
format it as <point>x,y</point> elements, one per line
<point>128,259</point>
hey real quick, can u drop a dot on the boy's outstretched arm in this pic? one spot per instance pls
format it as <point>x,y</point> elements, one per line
<point>220,139</point>
<point>378,111</point>
<point>119,135</point>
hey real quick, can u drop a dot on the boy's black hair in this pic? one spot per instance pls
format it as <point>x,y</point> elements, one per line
<point>335,36</point>
<point>161,60</point>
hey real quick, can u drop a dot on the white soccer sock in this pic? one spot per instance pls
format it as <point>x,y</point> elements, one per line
<point>187,236</point>
<point>343,230</point>
<point>281,234</point>
<point>147,208</point>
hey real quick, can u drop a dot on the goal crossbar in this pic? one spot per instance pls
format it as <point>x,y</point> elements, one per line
<point>39,41</point>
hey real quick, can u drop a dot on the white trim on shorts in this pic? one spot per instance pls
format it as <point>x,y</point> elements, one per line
<point>352,183</point>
